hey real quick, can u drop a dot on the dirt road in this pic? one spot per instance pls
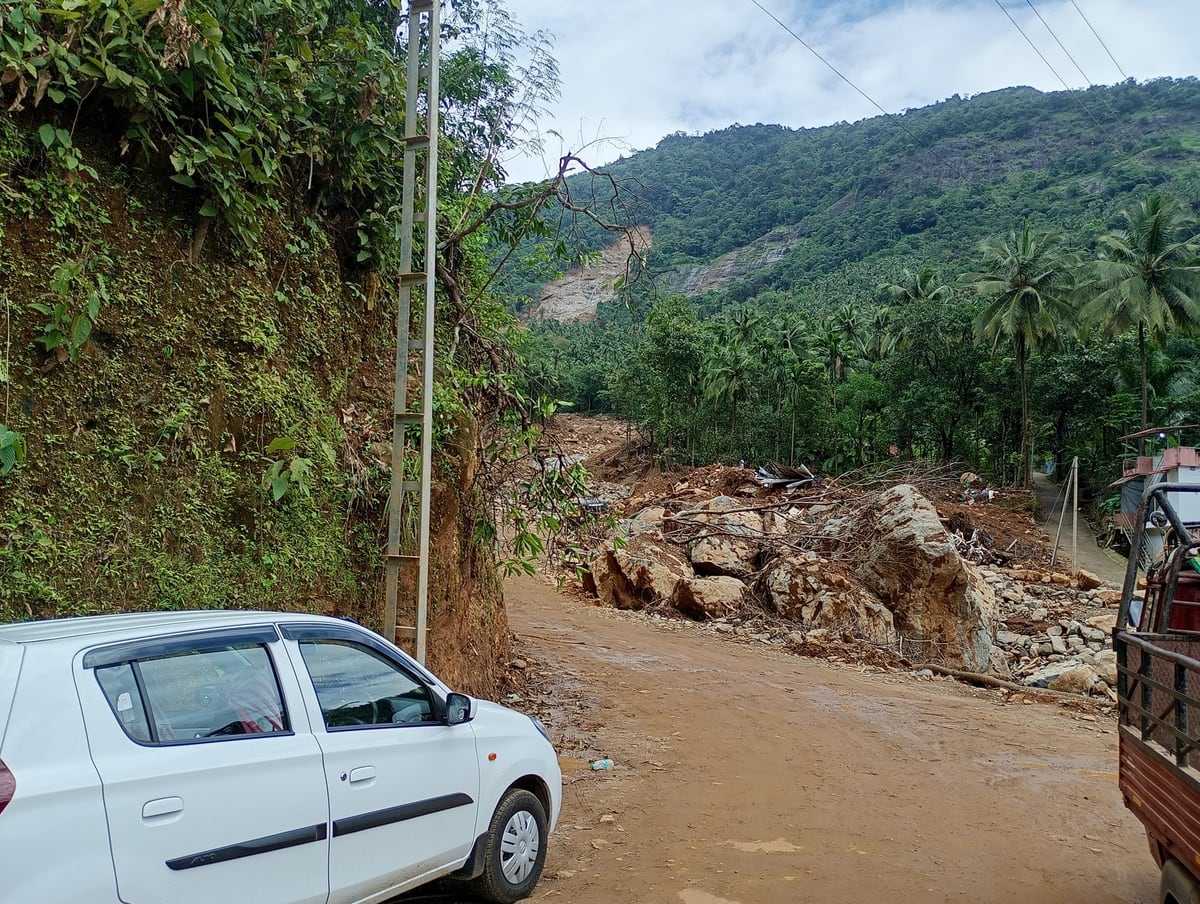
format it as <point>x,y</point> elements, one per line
<point>1104,563</point>
<point>744,774</point>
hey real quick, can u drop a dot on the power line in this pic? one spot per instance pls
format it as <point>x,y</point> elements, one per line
<point>1074,94</point>
<point>1100,39</point>
<point>1078,68</point>
<point>871,100</point>
<point>1108,106</point>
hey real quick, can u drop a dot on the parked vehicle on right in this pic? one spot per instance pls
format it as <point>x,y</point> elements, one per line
<point>1157,642</point>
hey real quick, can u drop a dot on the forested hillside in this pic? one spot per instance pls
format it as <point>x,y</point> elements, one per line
<point>865,338</point>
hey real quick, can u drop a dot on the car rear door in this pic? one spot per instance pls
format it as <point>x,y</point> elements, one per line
<point>403,786</point>
<point>212,780</point>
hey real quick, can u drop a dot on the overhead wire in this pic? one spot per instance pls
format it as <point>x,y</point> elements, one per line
<point>893,117</point>
<point>1126,156</point>
<point>1100,39</point>
<point>1087,81</point>
<point>1050,66</point>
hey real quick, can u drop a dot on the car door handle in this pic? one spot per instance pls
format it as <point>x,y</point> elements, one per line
<point>163,806</point>
<point>362,774</point>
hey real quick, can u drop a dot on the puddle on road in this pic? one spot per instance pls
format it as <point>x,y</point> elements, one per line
<point>695,896</point>
<point>778,846</point>
<point>1107,776</point>
<point>571,766</point>
<point>1050,770</point>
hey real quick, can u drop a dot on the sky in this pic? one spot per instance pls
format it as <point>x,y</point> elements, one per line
<point>634,71</point>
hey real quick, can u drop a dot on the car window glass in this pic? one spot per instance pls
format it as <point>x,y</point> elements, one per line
<point>194,695</point>
<point>357,687</point>
<point>120,689</point>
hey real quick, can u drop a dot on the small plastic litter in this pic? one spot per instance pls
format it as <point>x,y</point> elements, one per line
<point>602,765</point>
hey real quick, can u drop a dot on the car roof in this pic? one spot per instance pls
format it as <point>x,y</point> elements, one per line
<point>137,624</point>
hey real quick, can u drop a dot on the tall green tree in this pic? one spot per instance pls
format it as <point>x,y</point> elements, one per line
<point>916,285</point>
<point>727,371</point>
<point>1148,277</point>
<point>1027,281</point>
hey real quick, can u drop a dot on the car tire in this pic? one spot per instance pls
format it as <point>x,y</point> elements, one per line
<point>514,849</point>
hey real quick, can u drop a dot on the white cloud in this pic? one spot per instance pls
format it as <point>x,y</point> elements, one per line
<point>634,71</point>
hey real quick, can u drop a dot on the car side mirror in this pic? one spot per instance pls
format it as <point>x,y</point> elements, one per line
<point>458,709</point>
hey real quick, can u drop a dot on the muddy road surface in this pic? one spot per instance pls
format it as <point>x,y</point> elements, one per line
<point>744,774</point>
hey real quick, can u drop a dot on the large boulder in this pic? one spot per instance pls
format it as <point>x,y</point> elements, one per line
<point>815,593</point>
<point>642,572</point>
<point>1069,676</point>
<point>702,598</point>
<point>647,521</point>
<point>731,542</point>
<point>899,550</point>
<point>1106,667</point>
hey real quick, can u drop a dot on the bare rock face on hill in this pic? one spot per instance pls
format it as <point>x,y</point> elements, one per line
<point>905,556</point>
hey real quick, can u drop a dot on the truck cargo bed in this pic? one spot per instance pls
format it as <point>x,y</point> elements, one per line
<point>1159,689</point>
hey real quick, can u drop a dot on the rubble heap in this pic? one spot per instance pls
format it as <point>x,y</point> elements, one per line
<point>882,569</point>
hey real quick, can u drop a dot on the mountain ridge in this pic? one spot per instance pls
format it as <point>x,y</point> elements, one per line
<point>930,182</point>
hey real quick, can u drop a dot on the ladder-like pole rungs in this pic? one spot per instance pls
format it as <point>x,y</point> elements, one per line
<point>409,417</point>
<point>407,632</point>
<point>401,557</point>
<point>413,278</point>
<point>420,6</point>
<point>416,142</point>
<point>410,486</point>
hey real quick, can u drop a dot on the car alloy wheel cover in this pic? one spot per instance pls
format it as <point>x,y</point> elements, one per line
<point>519,846</point>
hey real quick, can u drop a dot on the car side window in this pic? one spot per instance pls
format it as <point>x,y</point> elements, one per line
<point>195,695</point>
<point>359,687</point>
<point>121,690</point>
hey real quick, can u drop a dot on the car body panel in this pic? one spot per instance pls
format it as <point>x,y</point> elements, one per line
<point>58,805</point>
<point>504,732</point>
<point>11,655</point>
<point>411,788</point>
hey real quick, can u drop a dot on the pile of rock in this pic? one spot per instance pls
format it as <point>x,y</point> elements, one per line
<point>885,572</point>
<point>1047,637</point>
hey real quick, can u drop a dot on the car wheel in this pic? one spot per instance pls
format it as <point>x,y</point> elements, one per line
<point>514,850</point>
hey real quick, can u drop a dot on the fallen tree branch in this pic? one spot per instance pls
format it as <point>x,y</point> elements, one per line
<point>989,681</point>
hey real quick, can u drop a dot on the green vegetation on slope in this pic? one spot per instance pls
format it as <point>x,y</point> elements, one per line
<point>199,225</point>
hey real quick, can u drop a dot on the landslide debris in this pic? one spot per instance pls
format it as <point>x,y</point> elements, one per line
<point>912,570</point>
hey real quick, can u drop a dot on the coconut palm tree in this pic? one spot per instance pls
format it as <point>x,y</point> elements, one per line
<point>918,285</point>
<point>1148,277</point>
<point>1027,283</point>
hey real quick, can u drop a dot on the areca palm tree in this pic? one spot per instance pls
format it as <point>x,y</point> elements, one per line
<point>726,378</point>
<point>1027,283</point>
<point>1148,277</point>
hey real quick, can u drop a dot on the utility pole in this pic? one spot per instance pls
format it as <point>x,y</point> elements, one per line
<point>412,462</point>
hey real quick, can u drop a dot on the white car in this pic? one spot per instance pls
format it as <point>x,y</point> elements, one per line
<point>257,756</point>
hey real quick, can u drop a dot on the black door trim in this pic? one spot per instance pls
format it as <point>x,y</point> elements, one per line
<point>263,845</point>
<point>376,818</point>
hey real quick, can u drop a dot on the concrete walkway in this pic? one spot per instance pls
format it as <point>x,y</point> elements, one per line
<point>1104,563</point>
